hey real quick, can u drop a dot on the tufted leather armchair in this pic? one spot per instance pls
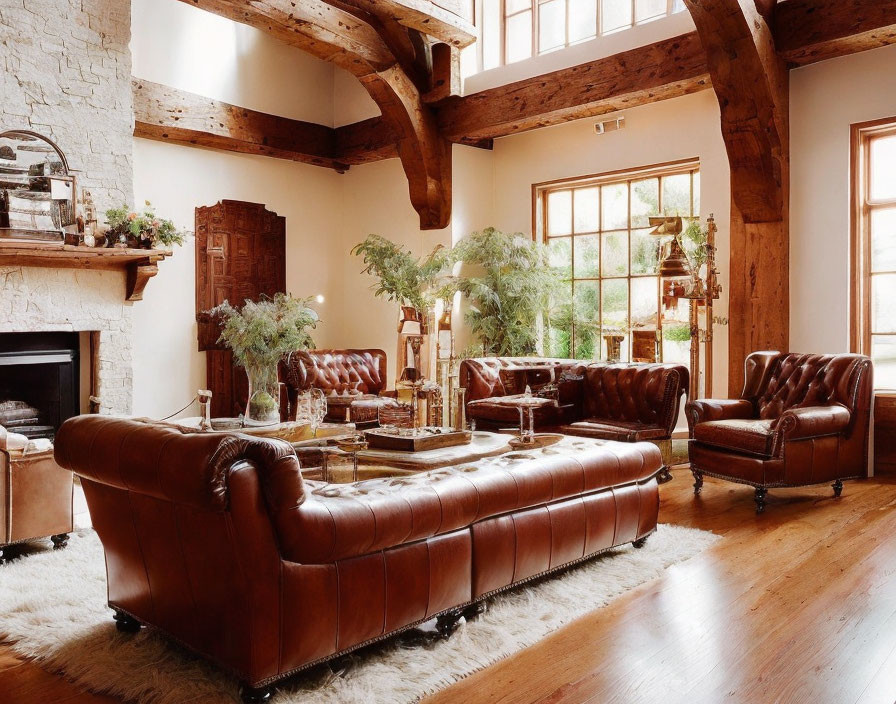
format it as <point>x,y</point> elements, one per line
<point>216,539</point>
<point>802,419</point>
<point>338,371</point>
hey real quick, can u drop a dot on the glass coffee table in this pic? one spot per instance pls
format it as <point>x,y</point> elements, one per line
<point>375,463</point>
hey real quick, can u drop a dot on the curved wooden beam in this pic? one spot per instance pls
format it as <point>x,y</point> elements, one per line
<point>750,81</point>
<point>344,38</point>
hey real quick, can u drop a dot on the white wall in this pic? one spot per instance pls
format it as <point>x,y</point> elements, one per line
<point>205,54</point>
<point>184,47</point>
<point>825,99</point>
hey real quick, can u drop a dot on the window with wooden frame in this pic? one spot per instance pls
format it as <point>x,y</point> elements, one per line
<point>598,236</point>
<point>513,30</point>
<point>873,290</point>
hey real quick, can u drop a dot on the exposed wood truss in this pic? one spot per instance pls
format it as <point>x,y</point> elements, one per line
<point>751,83</point>
<point>392,62</point>
<point>388,45</point>
<point>666,69</point>
<point>176,116</point>
<point>444,21</point>
<point>813,30</point>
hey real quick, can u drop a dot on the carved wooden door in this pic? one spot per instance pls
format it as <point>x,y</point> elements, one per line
<point>240,255</point>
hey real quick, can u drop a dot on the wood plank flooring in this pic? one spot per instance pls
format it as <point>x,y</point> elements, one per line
<point>797,605</point>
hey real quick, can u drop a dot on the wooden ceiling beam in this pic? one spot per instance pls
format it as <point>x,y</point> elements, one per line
<point>365,142</point>
<point>751,83</point>
<point>347,40</point>
<point>172,115</point>
<point>443,22</point>
<point>806,31</point>
<point>667,69</point>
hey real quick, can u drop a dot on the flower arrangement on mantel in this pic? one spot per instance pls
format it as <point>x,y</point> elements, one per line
<point>260,334</point>
<point>141,230</point>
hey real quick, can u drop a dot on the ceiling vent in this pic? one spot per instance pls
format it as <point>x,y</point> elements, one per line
<point>610,124</point>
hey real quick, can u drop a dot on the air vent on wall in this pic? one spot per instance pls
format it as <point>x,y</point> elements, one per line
<point>610,124</point>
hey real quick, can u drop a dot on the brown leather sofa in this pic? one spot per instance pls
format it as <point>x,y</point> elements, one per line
<point>340,371</point>
<point>490,377</point>
<point>624,402</point>
<point>216,540</point>
<point>802,419</point>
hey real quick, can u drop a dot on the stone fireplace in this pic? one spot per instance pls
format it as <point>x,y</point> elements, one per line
<point>36,299</point>
<point>65,71</point>
<point>40,381</point>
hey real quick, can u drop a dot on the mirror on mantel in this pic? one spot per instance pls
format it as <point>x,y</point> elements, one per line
<point>37,189</point>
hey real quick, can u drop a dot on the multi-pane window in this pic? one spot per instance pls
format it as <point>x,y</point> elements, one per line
<point>513,30</point>
<point>598,236</point>
<point>874,247</point>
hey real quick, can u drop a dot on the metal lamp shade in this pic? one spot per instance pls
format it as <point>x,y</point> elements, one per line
<point>675,263</point>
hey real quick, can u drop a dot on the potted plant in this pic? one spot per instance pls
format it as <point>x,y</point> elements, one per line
<point>403,278</point>
<point>509,290</point>
<point>259,335</point>
<point>140,230</point>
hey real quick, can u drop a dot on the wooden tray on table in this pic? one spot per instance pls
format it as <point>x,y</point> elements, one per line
<point>379,440</point>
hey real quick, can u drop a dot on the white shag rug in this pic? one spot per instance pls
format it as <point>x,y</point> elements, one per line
<point>53,609</point>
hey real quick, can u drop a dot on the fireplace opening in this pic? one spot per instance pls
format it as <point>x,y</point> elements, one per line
<point>39,381</point>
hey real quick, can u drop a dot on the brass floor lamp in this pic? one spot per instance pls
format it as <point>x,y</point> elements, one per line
<point>680,278</point>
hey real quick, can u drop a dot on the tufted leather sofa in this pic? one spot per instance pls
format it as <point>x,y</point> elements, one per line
<point>625,402</point>
<point>216,540</point>
<point>802,419</point>
<point>490,377</point>
<point>337,371</point>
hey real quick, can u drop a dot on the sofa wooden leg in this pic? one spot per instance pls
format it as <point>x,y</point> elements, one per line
<point>256,695</point>
<point>664,476</point>
<point>837,486</point>
<point>126,623</point>
<point>59,541</point>
<point>698,481</point>
<point>759,498</point>
<point>640,542</point>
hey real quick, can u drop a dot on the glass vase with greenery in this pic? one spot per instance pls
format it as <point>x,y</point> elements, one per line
<point>509,284</point>
<point>259,334</point>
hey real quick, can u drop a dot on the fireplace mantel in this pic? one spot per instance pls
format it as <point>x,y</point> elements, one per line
<point>140,264</point>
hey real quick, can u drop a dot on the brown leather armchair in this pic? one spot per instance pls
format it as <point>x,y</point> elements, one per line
<point>802,419</point>
<point>35,499</point>
<point>218,541</point>
<point>340,371</point>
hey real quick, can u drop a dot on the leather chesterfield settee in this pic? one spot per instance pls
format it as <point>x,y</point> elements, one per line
<point>490,377</point>
<point>216,539</point>
<point>802,419</point>
<point>624,402</point>
<point>337,372</point>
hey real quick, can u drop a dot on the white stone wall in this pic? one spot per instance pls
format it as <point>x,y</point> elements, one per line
<point>34,299</point>
<point>65,71</point>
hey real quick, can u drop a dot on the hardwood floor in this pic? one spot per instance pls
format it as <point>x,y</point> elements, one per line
<point>796,605</point>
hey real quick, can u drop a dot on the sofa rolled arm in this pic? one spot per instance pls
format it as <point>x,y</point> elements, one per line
<point>813,421</point>
<point>708,409</point>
